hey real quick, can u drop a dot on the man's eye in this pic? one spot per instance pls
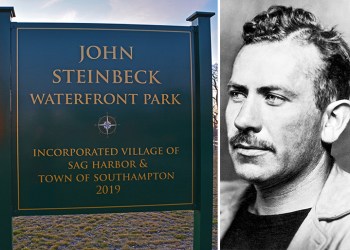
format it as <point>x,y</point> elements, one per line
<point>237,96</point>
<point>274,100</point>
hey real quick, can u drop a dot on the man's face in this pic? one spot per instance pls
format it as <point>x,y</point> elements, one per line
<point>272,121</point>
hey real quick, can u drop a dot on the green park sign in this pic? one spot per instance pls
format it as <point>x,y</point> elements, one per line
<point>105,118</point>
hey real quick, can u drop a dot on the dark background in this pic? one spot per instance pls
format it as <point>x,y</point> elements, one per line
<point>75,126</point>
<point>234,13</point>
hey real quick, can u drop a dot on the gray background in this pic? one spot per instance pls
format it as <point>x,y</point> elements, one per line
<point>234,13</point>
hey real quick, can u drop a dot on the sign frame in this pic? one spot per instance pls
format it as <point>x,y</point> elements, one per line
<point>202,122</point>
<point>16,28</point>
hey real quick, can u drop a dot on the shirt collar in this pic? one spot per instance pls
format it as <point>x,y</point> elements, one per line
<point>334,199</point>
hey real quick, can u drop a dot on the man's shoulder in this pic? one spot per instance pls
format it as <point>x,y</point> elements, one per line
<point>231,193</point>
<point>333,209</point>
<point>334,200</point>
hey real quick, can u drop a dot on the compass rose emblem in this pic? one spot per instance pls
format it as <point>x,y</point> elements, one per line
<point>107,125</point>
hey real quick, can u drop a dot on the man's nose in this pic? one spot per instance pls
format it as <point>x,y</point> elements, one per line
<point>249,116</point>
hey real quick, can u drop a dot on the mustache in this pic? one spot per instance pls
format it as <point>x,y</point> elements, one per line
<point>250,140</point>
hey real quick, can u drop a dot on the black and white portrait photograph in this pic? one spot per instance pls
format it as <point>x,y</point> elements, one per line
<point>284,133</point>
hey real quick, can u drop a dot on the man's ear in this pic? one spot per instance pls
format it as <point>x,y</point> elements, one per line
<point>334,120</point>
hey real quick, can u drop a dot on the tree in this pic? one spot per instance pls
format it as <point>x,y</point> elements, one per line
<point>215,91</point>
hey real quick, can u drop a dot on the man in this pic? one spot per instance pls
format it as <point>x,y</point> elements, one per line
<point>288,102</point>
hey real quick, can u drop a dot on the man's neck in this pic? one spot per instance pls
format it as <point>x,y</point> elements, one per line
<point>301,193</point>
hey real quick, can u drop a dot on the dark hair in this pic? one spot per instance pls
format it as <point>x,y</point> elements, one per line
<point>278,22</point>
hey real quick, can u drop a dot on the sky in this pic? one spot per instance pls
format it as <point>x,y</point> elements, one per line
<point>159,12</point>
